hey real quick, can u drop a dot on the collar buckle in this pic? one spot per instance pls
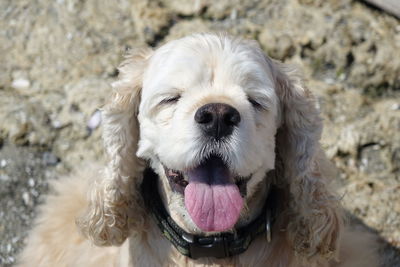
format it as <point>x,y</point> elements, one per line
<point>212,246</point>
<point>268,226</point>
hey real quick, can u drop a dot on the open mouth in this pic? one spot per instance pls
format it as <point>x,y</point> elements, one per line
<point>213,195</point>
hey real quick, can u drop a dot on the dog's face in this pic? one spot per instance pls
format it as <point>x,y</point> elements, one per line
<point>212,115</point>
<point>208,117</point>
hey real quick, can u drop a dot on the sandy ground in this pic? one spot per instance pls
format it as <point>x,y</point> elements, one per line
<point>59,57</point>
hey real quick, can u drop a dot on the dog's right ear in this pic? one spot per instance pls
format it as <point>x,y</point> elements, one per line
<point>114,200</point>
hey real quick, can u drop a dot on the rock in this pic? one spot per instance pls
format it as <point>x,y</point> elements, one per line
<point>94,120</point>
<point>277,45</point>
<point>151,20</point>
<point>27,199</point>
<point>3,163</point>
<point>186,8</point>
<point>20,83</point>
<point>49,159</point>
<point>225,8</point>
<point>183,28</point>
<point>24,121</point>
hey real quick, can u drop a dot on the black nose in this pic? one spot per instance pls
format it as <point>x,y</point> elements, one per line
<point>217,120</point>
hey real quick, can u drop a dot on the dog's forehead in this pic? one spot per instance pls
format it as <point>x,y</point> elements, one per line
<point>175,67</point>
<point>189,62</point>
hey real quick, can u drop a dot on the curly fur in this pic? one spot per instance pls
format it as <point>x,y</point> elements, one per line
<point>310,228</point>
<point>113,209</point>
<point>316,219</point>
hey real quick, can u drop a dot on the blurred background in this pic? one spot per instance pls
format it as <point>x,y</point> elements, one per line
<point>58,58</point>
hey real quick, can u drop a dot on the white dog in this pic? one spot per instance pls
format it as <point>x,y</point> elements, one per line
<point>214,160</point>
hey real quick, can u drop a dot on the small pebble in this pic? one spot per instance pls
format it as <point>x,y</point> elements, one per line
<point>234,14</point>
<point>376,147</point>
<point>11,259</point>
<point>329,81</point>
<point>395,106</point>
<point>49,159</point>
<point>56,124</point>
<point>95,120</point>
<point>4,177</point>
<point>3,163</point>
<point>31,182</point>
<point>20,83</point>
<point>27,199</point>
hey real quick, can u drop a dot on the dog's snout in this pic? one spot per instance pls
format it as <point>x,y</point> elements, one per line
<point>217,119</point>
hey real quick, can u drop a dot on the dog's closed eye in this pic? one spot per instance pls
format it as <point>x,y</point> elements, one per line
<point>256,104</point>
<point>170,100</point>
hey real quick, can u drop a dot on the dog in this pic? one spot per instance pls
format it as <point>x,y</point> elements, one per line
<point>213,160</point>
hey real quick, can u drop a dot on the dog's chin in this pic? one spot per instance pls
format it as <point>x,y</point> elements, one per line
<point>212,193</point>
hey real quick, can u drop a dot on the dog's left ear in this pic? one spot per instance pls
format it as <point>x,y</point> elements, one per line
<point>315,219</point>
<point>115,207</point>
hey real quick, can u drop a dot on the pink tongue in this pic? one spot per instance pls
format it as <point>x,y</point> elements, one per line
<point>212,200</point>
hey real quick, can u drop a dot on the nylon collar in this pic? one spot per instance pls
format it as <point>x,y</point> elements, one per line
<point>196,246</point>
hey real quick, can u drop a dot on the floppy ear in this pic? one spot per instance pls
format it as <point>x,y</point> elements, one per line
<point>114,198</point>
<point>315,219</point>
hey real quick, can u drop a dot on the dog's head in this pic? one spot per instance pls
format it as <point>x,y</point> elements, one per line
<point>210,114</point>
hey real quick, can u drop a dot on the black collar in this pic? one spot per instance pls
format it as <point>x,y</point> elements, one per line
<point>218,245</point>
